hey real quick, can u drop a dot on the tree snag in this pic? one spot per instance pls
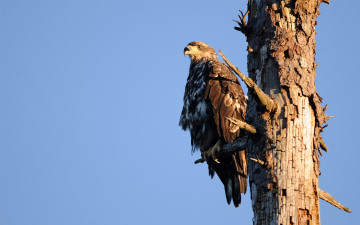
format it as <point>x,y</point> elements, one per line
<point>284,165</point>
<point>284,113</point>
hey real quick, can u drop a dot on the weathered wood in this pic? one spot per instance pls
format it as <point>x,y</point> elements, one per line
<point>330,199</point>
<point>264,99</point>
<point>242,23</point>
<point>258,161</point>
<point>284,179</point>
<point>243,125</point>
<point>323,145</point>
<point>230,148</point>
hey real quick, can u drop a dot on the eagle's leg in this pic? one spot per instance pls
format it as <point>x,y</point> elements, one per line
<point>213,151</point>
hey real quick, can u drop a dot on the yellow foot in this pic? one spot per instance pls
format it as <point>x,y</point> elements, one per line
<point>212,152</point>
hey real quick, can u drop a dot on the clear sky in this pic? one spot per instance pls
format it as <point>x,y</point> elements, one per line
<point>91,93</point>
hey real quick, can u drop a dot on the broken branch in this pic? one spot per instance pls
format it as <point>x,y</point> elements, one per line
<point>265,99</point>
<point>249,49</point>
<point>258,161</point>
<point>323,145</point>
<point>235,146</point>
<point>242,125</point>
<point>325,108</point>
<point>330,199</point>
<point>201,160</point>
<point>230,148</point>
<point>242,23</point>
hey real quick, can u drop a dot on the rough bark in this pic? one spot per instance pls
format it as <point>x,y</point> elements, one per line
<point>281,61</point>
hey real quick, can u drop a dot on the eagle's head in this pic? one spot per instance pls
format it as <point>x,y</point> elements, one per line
<point>198,50</point>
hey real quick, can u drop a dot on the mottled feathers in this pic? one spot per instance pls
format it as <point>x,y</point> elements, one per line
<point>213,94</point>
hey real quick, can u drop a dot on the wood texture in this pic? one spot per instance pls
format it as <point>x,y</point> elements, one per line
<point>284,187</point>
<point>330,199</point>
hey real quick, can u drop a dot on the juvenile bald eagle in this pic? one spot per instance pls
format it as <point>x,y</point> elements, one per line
<point>213,94</point>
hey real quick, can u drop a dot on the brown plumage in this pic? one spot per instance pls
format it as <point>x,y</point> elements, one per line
<point>213,94</point>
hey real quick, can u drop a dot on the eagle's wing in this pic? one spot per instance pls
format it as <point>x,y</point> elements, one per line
<point>228,100</point>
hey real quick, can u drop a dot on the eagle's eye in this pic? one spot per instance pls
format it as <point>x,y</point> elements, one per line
<point>200,47</point>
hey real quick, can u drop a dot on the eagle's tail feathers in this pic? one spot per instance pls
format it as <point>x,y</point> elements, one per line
<point>228,189</point>
<point>236,190</point>
<point>232,172</point>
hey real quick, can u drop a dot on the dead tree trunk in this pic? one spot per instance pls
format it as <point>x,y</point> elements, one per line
<point>284,115</point>
<point>281,61</point>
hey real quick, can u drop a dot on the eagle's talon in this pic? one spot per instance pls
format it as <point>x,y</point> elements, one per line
<point>212,152</point>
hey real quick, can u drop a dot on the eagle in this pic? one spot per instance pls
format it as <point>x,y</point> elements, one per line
<point>213,95</point>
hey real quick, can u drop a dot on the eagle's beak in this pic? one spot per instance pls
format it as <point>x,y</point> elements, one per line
<point>186,51</point>
<point>189,50</point>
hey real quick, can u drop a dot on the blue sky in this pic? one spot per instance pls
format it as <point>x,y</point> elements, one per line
<point>91,93</point>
